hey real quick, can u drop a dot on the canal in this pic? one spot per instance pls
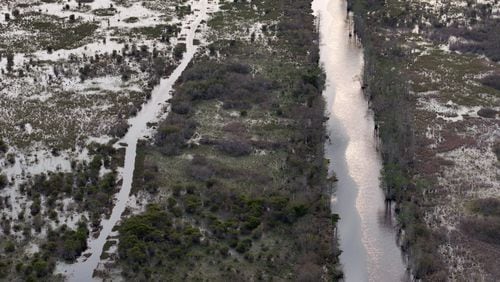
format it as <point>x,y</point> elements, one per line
<point>366,228</point>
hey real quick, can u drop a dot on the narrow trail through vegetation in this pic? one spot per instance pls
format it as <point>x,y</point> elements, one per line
<point>83,269</point>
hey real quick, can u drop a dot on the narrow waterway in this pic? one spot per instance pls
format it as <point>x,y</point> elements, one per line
<point>366,227</point>
<point>84,268</point>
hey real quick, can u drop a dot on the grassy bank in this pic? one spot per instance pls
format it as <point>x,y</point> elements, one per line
<point>434,107</point>
<point>388,90</point>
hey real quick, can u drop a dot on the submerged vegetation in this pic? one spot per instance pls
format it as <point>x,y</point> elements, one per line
<point>71,75</point>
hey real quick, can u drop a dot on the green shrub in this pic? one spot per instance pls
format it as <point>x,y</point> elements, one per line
<point>243,246</point>
<point>486,229</point>
<point>9,247</point>
<point>192,203</point>
<point>3,146</point>
<point>179,50</point>
<point>496,150</point>
<point>486,207</point>
<point>3,181</point>
<point>67,244</point>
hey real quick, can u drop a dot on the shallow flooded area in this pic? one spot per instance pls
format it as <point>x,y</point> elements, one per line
<point>84,268</point>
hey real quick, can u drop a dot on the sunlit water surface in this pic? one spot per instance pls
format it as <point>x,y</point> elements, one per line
<point>366,229</point>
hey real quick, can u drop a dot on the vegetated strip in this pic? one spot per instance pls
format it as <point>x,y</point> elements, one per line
<point>388,92</point>
<point>412,178</point>
<point>236,170</point>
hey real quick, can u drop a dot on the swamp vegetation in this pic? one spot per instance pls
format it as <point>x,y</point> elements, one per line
<point>396,83</point>
<point>237,167</point>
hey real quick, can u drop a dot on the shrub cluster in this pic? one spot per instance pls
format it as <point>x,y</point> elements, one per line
<point>492,81</point>
<point>85,184</point>
<point>150,239</point>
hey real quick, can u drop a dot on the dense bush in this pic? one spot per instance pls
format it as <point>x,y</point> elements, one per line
<point>119,129</point>
<point>40,267</point>
<point>496,149</point>
<point>480,37</point>
<point>492,81</point>
<point>486,229</point>
<point>179,50</point>
<point>201,172</point>
<point>231,82</point>
<point>3,146</point>
<point>181,108</point>
<point>149,238</point>
<point>3,181</point>
<point>486,207</point>
<point>67,244</point>
<point>243,246</point>
<point>235,148</point>
<point>487,113</point>
<point>9,247</point>
<point>173,133</point>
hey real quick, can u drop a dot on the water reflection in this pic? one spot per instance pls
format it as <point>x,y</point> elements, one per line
<point>366,228</point>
